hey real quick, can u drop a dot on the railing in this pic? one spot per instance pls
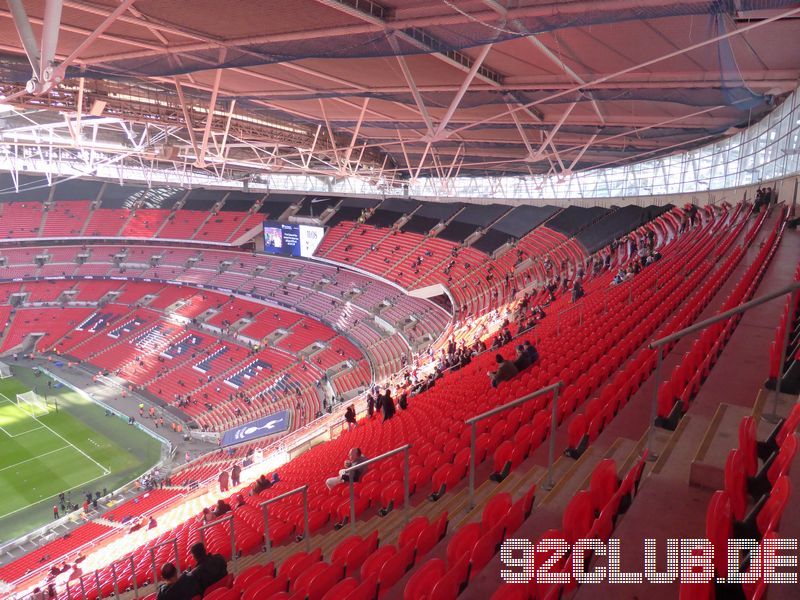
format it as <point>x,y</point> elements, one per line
<point>658,344</point>
<point>174,543</point>
<point>406,504</point>
<point>472,422</point>
<point>229,519</point>
<point>133,576</point>
<point>264,511</point>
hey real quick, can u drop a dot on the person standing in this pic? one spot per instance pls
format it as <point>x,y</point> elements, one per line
<point>223,481</point>
<point>55,512</point>
<point>236,472</point>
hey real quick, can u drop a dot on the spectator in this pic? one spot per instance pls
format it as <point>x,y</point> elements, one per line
<point>236,473</point>
<point>505,371</point>
<point>223,481</point>
<point>522,360</point>
<point>176,587</point>
<point>350,417</point>
<point>355,457</point>
<point>531,352</point>
<point>210,567</point>
<point>152,524</point>
<point>261,484</point>
<point>221,508</point>
<point>387,405</point>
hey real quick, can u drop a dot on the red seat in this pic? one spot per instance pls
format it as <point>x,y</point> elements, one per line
<point>449,585</point>
<point>424,579</point>
<point>341,590</point>
<point>411,532</point>
<point>264,588</point>
<point>293,566</point>
<point>303,579</point>
<point>748,445</point>
<point>343,548</point>
<point>603,483</point>
<point>578,517</point>
<point>375,561</point>
<point>462,542</point>
<point>366,591</point>
<point>359,553</point>
<point>482,553</point>
<point>735,484</point>
<point>324,580</point>
<point>495,510</point>
<point>395,568</point>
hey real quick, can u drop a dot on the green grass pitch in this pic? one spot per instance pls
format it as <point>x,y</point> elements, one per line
<point>76,447</point>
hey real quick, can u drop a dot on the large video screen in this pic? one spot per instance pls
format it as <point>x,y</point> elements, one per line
<point>291,239</point>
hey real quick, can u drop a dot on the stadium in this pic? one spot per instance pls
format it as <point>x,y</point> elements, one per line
<point>355,299</point>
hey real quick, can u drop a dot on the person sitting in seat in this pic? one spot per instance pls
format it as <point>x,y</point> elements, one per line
<point>221,508</point>
<point>175,587</point>
<point>210,567</point>
<point>355,457</point>
<point>522,360</point>
<point>531,352</point>
<point>505,371</point>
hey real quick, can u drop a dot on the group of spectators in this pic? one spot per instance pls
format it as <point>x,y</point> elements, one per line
<point>209,569</point>
<point>526,356</point>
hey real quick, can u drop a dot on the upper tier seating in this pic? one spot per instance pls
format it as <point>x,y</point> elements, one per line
<point>434,423</point>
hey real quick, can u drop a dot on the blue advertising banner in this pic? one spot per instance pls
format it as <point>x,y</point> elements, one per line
<point>271,424</point>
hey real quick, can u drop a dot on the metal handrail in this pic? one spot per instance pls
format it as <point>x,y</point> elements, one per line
<point>174,542</point>
<point>406,502</point>
<point>133,576</point>
<point>219,521</point>
<point>659,343</point>
<point>472,422</point>
<point>263,506</point>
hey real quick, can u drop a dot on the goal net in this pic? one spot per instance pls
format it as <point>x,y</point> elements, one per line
<point>32,403</point>
<point>5,370</point>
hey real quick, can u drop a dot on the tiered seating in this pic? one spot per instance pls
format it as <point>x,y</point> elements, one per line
<point>54,324</point>
<point>303,334</point>
<point>106,222</point>
<point>144,222</point>
<point>181,225</point>
<point>55,551</point>
<point>66,218</point>
<point>676,393</point>
<point>20,219</point>
<point>142,504</point>
<point>753,502</point>
<point>787,372</point>
<point>221,226</point>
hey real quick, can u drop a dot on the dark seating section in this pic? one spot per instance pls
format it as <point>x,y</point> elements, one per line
<point>314,206</point>
<point>617,223</point>
<point>350,209</point>
<point>240,201</point>
<point>31,189</point>
<point>77,189</point>
<point>491,241</point>
<point>472,218</point>
<point>521,220</point>
<point>165,198</point>
<point>390,210</point>
<point>514,225</point>
<point>203,199</point>
<point>457,232</point>
<point>431,214</point>
<point>275,204</point>
<point>119,196</point>
<point>573,219</point>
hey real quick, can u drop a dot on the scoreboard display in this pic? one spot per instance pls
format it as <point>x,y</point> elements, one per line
<point>291,239</point>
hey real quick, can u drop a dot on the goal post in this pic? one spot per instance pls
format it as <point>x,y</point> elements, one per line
<point>33,404</point>
<point>5,370</point>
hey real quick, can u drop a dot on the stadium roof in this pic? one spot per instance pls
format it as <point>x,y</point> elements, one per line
<point>392,89</point>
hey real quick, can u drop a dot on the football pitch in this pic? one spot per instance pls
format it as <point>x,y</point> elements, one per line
<point>72,447</point>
